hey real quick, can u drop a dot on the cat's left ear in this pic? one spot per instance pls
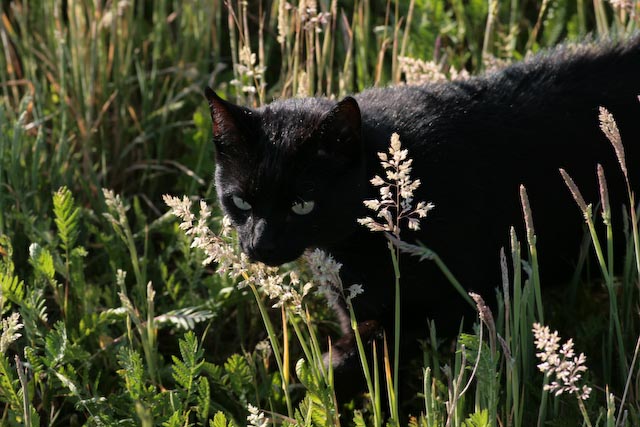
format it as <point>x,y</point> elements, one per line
<point>230,122</point>
<point>341,131</point>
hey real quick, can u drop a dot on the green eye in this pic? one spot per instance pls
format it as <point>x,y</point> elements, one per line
<point>241,204</point>
<point>302,208</point>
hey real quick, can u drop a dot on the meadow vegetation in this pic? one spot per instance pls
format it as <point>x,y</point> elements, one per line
<point>120,310</point>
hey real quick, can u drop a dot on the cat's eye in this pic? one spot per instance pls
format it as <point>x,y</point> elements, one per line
<point>302,208</point>
<point>241,203</point>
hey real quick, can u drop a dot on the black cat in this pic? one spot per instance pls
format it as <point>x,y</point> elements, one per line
<point>292,175</point>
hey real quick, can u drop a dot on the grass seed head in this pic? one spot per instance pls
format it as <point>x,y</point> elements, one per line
<point>561,362</point>
<point>396,193</point>
<point>610,129</point>
<point>10,327</point>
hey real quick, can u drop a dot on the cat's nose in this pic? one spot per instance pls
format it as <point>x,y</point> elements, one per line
<point>263,246</point>
<point>263,243</point>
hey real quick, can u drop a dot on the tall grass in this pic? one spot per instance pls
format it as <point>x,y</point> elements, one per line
<point>119,321</point>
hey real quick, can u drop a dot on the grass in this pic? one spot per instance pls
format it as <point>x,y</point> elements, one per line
<point>119,320</point>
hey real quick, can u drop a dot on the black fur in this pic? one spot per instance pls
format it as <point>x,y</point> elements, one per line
<point>473,143</point>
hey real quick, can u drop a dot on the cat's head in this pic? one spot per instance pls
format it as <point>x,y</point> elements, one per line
<point>289,175</point>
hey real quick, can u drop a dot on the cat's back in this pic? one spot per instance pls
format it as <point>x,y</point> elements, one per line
<point>559,87</point>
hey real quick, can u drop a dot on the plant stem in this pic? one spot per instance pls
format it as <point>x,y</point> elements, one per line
<point>377,415</point>
<point>583,410</point>
<point>395,257</point>
<point>274,343</point>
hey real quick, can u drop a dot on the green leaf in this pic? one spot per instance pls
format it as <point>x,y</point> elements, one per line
<point>175,420</point>
<point>311,412</point>
<point>214,371</point>
<point>238,373</point>
<point>358,419</point>
<point>67,217</point>
<point>487,377</point>
<point>132,372</point>
<point>12,289</point>
<point>55,345</point>
<point>204,399</point>
<point>34,315</point>
<point>186,370</point>
<point>219,420</point>
<point>9,385</point>
<point>186,373</point>
<point>42,261</point>
<point>34,360</point>
<point>189,349</point>
<point>185,318</point>
<point>304,374</point>
<point>67,382</point>
<point>478,419</point>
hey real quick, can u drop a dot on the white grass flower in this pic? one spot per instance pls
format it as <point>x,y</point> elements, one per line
<point>151,293</point>
<point>121,275</point>
<point>313,20</point>
<point>285,288</point>
<point>324,268</point>
<point>626,5</point>
<point>264,348</point>
<point>325,271</point>
<point>256,418</point>
<point>493,64</point>
<point>107,19</point>
<point>10,327</point>
<point>246,56</point>
<point>561,362</point>
<point>353,291</point>
<point>249,75</point>
<point>303,85</point>
<point>220,249</point>
<point>325,275</point>
<point>418,72</point>
<point>396,193</point>
<point>115,204</point>
<point>283,21</point>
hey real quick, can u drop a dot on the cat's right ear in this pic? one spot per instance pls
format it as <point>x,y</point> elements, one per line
<point>229,121</point>
<point>340,131</point>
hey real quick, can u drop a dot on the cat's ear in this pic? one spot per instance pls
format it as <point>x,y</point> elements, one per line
<point>341,131</point>
<point>230,122</point>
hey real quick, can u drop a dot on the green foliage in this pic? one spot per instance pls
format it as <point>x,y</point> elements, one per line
<point>358,419</point>
<point>185,318</point>
<point>311,412</point>
<point>203,399</point>
<point>55,347</point>
<point>42,262</point>
<point>66,216</point>
<point>478,419</point>
<point>12,290</point>
<point>186,371</point>
<point>486,363</point>
<point>219,420</point>
<point>238,375</point>
<point>9,386</point>
<point>132,372</point>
